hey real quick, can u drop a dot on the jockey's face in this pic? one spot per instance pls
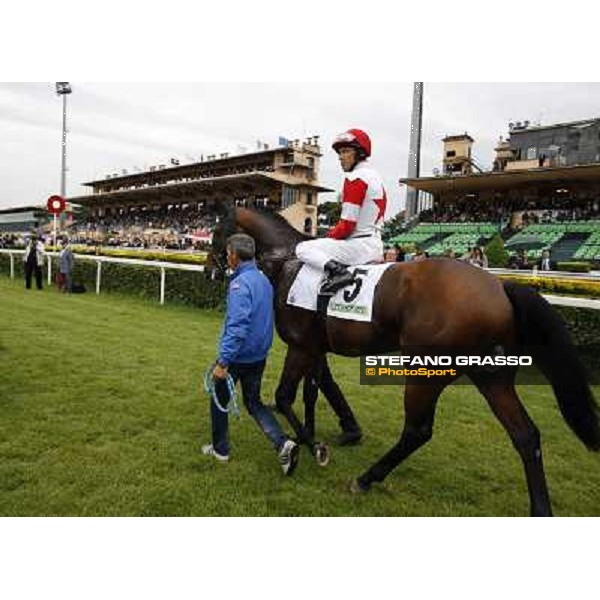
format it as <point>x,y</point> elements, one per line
<point>348,158</point>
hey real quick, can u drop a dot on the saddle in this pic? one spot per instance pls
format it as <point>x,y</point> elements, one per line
<point>351,300</point>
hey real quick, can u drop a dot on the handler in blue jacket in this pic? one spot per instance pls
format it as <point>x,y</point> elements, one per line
<point>245,342</point>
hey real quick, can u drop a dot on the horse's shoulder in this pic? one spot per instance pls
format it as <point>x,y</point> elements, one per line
<point>292,266</point>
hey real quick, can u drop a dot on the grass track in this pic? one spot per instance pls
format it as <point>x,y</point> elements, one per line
<point>101,413</point>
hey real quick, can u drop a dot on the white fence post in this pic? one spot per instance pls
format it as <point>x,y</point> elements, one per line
<point>12,265</point>
<point>98,276</point>
<point>49,269</point>
<point>162,285</point>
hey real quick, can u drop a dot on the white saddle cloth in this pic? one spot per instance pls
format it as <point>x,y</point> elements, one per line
<point>354,302</point>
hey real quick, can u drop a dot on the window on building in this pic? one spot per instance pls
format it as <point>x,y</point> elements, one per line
<point>308,225</point>
<point>531,153</point>
<point>450,153</point>
<point>289,196</point>
<point>309,198</point>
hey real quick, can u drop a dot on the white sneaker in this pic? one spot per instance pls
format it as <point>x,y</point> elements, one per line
<point>208,450</point>
<point>288,456</point>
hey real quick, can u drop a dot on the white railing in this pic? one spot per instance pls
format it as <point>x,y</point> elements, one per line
<point>99,260</point>
<point>573,301</point>
<point>163,265</point>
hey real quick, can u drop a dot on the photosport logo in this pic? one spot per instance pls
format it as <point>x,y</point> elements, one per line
<point>434,365</point>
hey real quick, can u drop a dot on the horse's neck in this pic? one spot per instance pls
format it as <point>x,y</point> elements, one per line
<point>265,231</point>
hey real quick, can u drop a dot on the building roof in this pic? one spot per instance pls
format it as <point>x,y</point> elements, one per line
<point>506,179</point>
<point>180,191</point>
<point>22,209</point>
<point>182,170</point>
<point>575,124</point>
<point>457,138</point>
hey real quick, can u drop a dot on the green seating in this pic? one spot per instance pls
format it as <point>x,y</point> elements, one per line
<point>459,242</point>
<point>410,238</point>
<point>551,233</point>
<point>590,249</point>
<point>459,236</point>
<point>485,228</point>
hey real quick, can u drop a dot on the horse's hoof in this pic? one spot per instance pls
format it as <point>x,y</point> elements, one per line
<point>357,488</point>
<point>350,438</point>
<point>322,454</point>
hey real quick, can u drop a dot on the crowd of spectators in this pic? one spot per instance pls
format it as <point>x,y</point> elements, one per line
<point>171,227</point>
<point>12,241</point>
<point>501,210</point>
<point>180,221</point>
<point>474,256</point>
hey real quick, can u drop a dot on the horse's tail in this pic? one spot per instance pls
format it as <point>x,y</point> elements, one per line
<point>538,325</point>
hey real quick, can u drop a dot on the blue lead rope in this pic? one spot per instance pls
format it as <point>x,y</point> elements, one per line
<point>209,386</point>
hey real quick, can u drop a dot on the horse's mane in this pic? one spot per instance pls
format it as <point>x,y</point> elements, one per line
<point>281,227</point>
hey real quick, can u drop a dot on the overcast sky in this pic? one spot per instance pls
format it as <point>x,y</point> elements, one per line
<point>122,126</point>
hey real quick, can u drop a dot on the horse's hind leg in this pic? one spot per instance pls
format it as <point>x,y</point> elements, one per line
<point>420,401</point>
<point>525,436</point>
<point>351,433</point>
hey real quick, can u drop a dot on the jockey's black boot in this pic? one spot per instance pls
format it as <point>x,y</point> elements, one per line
<point>338,277</point>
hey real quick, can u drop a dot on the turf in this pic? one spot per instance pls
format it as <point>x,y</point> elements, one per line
<point>102,413</point>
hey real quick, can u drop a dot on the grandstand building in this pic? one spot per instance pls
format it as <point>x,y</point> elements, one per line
<point>22,219</point>
<point>564,144</point>
<point>284,178</point>
<point>545,181</point>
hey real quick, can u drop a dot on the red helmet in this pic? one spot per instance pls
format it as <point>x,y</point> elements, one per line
<point>355,138</point>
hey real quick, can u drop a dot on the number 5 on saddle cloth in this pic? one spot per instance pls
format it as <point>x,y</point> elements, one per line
<point>354,302</point>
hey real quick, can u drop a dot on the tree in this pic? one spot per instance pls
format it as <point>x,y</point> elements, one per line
<point>496,253</point>
<point>393,227</point>
<point>328,214</point>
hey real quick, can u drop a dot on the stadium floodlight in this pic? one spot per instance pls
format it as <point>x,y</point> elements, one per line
<point>63,87</point>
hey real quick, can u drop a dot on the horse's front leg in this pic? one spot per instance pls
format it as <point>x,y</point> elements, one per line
<point>310,394</point>
<point>298,364</point>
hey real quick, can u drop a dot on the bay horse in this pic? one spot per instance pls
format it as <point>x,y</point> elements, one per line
<point>435,302</point>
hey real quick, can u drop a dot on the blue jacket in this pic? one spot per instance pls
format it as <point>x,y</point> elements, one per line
<point>248,328</point>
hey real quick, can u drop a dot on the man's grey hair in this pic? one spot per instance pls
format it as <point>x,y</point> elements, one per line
<point>242,245</point>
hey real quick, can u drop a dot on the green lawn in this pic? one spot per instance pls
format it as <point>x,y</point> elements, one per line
<point>102,413</point>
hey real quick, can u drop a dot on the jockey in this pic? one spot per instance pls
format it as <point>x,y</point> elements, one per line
<point>356,239</point>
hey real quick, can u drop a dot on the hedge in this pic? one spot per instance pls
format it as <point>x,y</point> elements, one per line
<point>174,257</point>
<point>181,287</point>
<point>583,323</point>
<point>551,285</point>
<point>574,267</point>
<point>584,326</point>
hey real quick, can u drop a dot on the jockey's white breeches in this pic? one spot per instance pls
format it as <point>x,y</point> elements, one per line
<point>351,251</point>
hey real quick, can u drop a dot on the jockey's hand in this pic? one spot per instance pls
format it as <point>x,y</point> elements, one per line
<point>219,372</point>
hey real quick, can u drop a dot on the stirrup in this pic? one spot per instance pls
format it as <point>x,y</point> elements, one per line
<point>333,284</point>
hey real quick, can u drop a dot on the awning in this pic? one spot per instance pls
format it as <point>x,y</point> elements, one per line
<point>503,180</point>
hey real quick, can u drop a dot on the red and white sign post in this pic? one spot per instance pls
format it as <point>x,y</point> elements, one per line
<point>56,205</point>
